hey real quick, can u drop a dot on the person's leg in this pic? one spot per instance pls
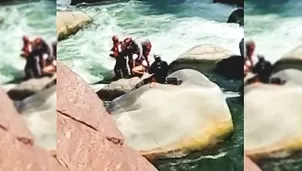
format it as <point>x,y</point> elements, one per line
<point>138,70</point>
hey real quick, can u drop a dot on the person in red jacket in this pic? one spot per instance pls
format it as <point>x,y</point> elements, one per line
<point>248,59</point>
<point>27,47</point>
<point>120,67</point>
<point>116,47</point>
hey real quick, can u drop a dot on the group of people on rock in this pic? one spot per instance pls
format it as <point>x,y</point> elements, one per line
<point>132,59</point>
<point>262,68</point>
<point>40,58</point>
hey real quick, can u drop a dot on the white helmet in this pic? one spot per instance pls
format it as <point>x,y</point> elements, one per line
<point>156,55</point>
<point>135,56</point>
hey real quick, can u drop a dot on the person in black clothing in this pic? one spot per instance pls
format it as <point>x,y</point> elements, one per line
<point>36,60</point>
<point>160,69</point>
<point>263,69</point>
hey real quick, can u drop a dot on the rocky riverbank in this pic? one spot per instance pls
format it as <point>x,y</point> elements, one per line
<point>277,110</point>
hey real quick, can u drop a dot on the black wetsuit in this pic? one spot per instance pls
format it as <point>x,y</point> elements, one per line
<point>241,47</point>
<point>34,62</point>
<point>160,70</point>
<point>33,66</point>
<point>264,70</point>
<point>120,68</point>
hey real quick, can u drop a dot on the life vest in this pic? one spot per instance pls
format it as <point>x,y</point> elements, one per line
<point>27,48</point>
<point>116,49</point>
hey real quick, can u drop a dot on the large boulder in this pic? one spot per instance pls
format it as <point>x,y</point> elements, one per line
<point>293,60</point>
<point>30,87</point>
<point>237,17</point>
<point>119,87</point>
<point>289,75</point>
<point>209,57</point>
<point>272,119</point>
<point>39,112</point>
<point>18,149</point>
<point>69,23</point>
<point>87,136</point>
<point>170,121</point>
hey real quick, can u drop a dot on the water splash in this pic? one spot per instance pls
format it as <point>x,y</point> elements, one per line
<point>172,29</point>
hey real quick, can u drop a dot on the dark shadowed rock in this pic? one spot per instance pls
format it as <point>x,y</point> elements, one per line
<point>231,67</point>
<point>289,75</point>
<point>292,60</point>
<point>209,57</point>
<point>88,138</point>
<point>236,17</point>
<point>18,150</point>
<point>30,87</point>
<point>119,87</point>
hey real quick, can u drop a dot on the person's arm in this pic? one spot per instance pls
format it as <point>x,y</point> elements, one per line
<point>139,48</point>
<point>151,69</point>
<point>166,66</point>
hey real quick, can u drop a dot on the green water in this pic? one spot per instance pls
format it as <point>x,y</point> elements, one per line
<point>33,19</point>
<point>276,28</point>
<point>172,28</point>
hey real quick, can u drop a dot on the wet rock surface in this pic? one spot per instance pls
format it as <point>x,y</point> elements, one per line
<point>88,138</point>
<point>68,23</point>
<point>291,60</point>
<point>18,149</point>
<point>27,88</point>
<point>210,58</point>
<point>169,120</point>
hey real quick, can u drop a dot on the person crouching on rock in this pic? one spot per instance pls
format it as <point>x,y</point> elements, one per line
<point>263,69</point>
<point>51,62</point>
<point>140,66</point>
<point>37,59</point>
<point>119,54</point>
<point>248,60</point>
<point>27,47</point>
<point>146,45</point>
<point>134,47</point>
<point>159,69</point>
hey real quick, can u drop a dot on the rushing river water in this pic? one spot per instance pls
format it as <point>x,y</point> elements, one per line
<point>274,25</point>
<point>276,28</point>
<point>33,19</point>
<point>173,27</point>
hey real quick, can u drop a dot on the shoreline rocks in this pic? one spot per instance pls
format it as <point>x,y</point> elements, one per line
<point>277,110</point>
<point>209,57</point>
<point>88,138</point>
<point>159,125</point>
<point>119,87</point>
<point>18,148</point>
<point>291,60</point>
<point>237,16</point>
<point>30,87</point>
<point>69,23</point>
<point>39,112</point>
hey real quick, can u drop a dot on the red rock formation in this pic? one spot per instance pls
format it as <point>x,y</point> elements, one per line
<point>88,138</point>
<point>249,165</point>
<point>17,149</point>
